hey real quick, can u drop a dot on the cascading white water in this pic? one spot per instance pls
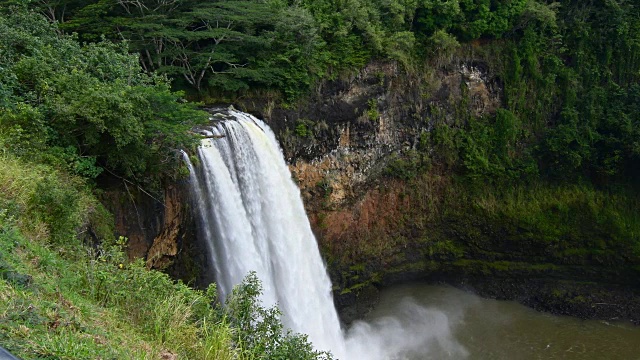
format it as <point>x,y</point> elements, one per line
<point>254,220</point>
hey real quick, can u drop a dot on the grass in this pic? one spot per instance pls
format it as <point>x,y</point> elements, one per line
<point>96,309</point>
<point>65,295</point>
<point>579,217</point>
<point>62,298</point>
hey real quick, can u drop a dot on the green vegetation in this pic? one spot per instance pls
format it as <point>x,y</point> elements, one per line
<point>570,224</point>
<point>372,111</point>
<point>218,45</point>
<point>569,71</point>
<point>552,176</point>
<point>304,128</point>
<point>64,297</point>
<point>232,46</point>
<point>68,113</point>
<point>86,108</point>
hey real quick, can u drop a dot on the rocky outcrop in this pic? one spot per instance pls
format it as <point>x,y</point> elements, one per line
<point>341,139</point>
<point>164,247</point>
<point>159,228</point>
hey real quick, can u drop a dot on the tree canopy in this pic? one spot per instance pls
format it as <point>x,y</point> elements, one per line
<point>88,107</point>
<point>569,69</point>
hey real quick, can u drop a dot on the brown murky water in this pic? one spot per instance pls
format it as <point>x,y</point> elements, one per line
<point>448,323</point>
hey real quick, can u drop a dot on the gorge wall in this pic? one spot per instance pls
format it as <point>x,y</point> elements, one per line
<point>385,207</point>
<point>384,212</point>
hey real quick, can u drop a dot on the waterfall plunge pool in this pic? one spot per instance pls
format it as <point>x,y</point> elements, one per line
<point>442,322</point>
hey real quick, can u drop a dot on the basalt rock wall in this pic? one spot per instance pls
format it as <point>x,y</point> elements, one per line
<point>340,139</point>
<point>160,228</point>
<point>377,230</point>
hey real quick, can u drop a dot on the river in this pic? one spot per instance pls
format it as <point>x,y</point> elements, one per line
<point>447,323</point>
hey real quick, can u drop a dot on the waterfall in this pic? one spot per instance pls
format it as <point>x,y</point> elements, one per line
<point>253,219</point>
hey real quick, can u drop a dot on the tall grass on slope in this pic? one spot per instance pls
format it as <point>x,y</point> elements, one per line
<point>63,299</point>
<point>50,206</point>
<point>65,295</point>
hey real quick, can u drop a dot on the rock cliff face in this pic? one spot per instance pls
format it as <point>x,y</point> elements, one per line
<point>159,229</point>
<point>342,141</point>
<point>345,145</point>
<point>343,137</point>
<point>339,144</point>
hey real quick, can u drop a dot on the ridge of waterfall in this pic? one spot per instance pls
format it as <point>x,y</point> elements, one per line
<point>252,218</point>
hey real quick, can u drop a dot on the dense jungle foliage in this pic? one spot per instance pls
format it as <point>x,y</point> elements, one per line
<point>570,69</point>
<point>85,108</point>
